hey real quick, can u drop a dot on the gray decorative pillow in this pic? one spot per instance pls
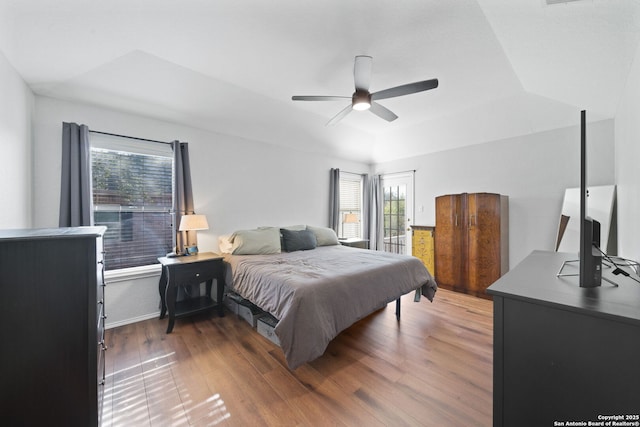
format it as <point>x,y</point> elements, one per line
<point>325,236</point>
<point>298,240</point>
<point>263,241</point>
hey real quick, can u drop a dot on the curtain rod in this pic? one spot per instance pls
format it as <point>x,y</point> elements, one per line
<point>130,137</point>
<point>353,173</point>
<point>390,173</point>
<point>399,172</point>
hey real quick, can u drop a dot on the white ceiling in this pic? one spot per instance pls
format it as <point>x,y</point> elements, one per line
<point>505,67</point>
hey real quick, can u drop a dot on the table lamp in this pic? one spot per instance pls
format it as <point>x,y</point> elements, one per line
<point>191,223</point>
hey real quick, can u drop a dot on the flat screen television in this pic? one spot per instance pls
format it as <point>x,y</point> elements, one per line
<point>590,255</point>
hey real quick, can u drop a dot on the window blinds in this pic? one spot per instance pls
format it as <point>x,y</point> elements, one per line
<point>132,183</point>
<point>350,202</point>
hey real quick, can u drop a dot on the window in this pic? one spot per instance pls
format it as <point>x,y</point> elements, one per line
<point>350,205</point>
<point>132,183</point>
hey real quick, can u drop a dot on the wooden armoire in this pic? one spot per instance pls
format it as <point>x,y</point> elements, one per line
<point>471,241</point>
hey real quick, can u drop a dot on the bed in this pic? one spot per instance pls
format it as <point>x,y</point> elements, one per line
<point>317,292</point>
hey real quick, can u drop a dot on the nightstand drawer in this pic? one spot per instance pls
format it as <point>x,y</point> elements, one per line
<point>197,272</point>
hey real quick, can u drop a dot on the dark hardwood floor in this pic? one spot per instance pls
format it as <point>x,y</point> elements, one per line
<point>432,368</point>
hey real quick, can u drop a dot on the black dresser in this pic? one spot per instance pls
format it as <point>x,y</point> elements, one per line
<point>564,355</point>
<point>52,326</point>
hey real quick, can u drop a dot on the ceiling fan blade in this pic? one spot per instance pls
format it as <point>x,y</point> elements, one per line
<point>382,112</point>
<point>340,115</point>
<point>405,89</point>
<point>362,72</point>
<point>319,98</point>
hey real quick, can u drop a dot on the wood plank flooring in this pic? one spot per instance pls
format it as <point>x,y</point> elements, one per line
<point>432,368</point>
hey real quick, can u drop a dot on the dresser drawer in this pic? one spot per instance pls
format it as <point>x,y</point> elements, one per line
<point>100,324</point>
<point>101,378</point>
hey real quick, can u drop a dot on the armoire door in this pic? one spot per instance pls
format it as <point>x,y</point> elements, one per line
<point>450,241</point>
<point>483,244</point>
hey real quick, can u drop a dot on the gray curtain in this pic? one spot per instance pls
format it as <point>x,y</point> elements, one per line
<point>366,209</point>
<point>334,199</point>
<point>373,215</point>
<point>75,185</point>
<point>183,192</point>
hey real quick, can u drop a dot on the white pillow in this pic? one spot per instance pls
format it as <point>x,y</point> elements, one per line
<point>224,243</point>
<point>289,227</point>
<point>295,227</point>
<point>263,241</point>
<point>324,235</point>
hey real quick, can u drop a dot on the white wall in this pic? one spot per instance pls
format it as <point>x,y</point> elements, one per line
<point>533,170</point>
<point>16,107</point>
<point>237,183</point>
<point>240,183</point>
<point>628,164</point>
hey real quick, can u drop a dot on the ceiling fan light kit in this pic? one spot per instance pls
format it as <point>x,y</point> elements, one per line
<point>362,99</point>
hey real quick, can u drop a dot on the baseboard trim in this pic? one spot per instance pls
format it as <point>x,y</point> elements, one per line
<point>111,325</point>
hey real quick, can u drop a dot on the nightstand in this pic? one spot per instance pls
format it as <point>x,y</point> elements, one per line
<point>190,270</point>
<point>354,242</point>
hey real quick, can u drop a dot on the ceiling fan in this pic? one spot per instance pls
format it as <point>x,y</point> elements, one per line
<point>362,99</point>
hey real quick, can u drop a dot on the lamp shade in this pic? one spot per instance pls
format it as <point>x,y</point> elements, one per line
<point>193,222</point>
<point>350,218</point>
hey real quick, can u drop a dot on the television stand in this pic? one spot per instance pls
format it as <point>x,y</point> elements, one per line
<point>577,274</point>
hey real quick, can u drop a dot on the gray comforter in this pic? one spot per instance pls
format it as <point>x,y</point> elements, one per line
<point>316,294</point>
